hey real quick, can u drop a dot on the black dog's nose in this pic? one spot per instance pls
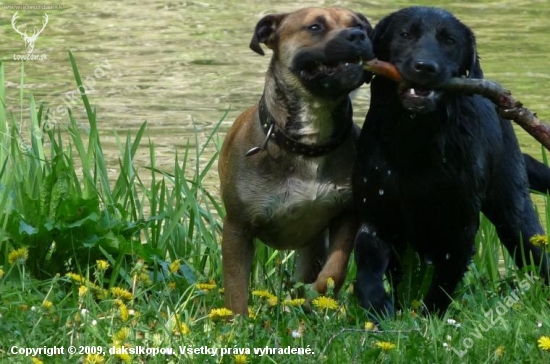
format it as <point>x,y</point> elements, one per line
<point>426,67</point>
<point>356,36</point>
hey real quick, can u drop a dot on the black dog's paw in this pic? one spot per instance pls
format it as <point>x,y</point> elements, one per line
<point>375,301</point>
<point>372,257</point>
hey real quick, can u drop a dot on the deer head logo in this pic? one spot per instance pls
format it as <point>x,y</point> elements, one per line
<point>29,40</point>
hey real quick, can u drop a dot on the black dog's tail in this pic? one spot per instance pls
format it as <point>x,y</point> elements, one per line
<point>538,174</point>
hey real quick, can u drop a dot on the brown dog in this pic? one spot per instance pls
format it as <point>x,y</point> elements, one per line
<point>285,165</point>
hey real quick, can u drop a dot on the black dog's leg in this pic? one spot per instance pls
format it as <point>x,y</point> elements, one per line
<point>515,226</point>
<point>538,174</point>
<point>372,257</point>
<point>448,272</point>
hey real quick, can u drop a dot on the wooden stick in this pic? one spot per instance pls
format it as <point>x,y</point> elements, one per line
<point>382,68</point>
<point>508,107</point>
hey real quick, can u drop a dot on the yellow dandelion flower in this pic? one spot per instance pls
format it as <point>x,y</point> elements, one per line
<point>76,277</point>
<point>370,326</point>
<point>94,359</point>
<point>102,294</point>
<point>240,359</point>
<point>36,361</point>
<point>102,265</point>
<point>539,240</point>
<point>124,314</point>
<point>263,294</point>
<point>325,303</point>
<point>172,285</point>
<point>385,345</point>
<point>330,283</point>
<point>1,272</point>
<point>121,354</point>
<point>251,313</point>
<point>144,277</point>
<point>217,313</point>
<point>18,255</point>
<point>272,301</point>
<point>499,351</point>
<point>183,329</point>
<point>175,266</point>
<point>121,335</point>
<point>206,286</point>
<point>296,302</point>
<point>82,291</point>
<point>121,293</point>
<point>544,343</point>
<point>47,304</point>
<point>118,302</point>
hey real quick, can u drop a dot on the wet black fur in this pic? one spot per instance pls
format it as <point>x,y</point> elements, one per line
<point>423,179</point>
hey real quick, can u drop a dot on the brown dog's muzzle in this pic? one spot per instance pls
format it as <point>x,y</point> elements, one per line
<point>335,67</point>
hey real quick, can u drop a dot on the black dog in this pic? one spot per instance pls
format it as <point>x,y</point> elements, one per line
<point>429,162</point>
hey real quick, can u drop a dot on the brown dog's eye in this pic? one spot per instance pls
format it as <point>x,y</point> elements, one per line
<point>315,27</point>
<point>405,35</point>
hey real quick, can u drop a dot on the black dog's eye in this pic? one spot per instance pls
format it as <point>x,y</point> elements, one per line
<point>450,41</point>
<point>315,27</point>
<point>359,26</point>
<point>405,35</point>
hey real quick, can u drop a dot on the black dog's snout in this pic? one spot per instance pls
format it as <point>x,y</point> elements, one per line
<point>426,67</point>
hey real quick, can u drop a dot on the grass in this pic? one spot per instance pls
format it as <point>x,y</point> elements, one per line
<point>109,266</point>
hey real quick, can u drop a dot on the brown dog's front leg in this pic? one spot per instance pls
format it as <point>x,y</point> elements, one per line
<point>310,260</point>
<point>237,254</point>
<point>342,233</point>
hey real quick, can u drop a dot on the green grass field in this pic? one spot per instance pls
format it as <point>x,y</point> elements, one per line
<point>94,270</point>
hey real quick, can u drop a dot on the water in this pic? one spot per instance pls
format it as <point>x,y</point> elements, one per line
<point>180,65</point>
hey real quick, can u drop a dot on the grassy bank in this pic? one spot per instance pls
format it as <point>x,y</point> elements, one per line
<point>127,271</point>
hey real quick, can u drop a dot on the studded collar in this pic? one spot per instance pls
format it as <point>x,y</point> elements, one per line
<point>276,134</point>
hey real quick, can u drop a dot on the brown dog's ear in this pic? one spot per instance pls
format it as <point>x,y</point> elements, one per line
<point>368,26</point>
<point>265,32</point>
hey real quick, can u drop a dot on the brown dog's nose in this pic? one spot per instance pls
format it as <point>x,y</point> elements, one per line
<point>356,36</point>
<point>426,67</point>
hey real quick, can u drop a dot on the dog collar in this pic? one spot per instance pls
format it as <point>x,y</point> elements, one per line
<point>275,133</point>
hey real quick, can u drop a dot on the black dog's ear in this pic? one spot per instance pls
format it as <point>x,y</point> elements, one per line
<point>380,39</point>
<point>367,76</point>
<point>265,32</point>
<point>473,67</point>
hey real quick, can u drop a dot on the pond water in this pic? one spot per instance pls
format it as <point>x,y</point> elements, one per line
<point>181,64</point>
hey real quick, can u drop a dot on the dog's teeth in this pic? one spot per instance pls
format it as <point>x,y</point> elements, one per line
<point>412,92</point>
<point>431,94</point>
<point>346,64</point>
<point>360,63</point>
